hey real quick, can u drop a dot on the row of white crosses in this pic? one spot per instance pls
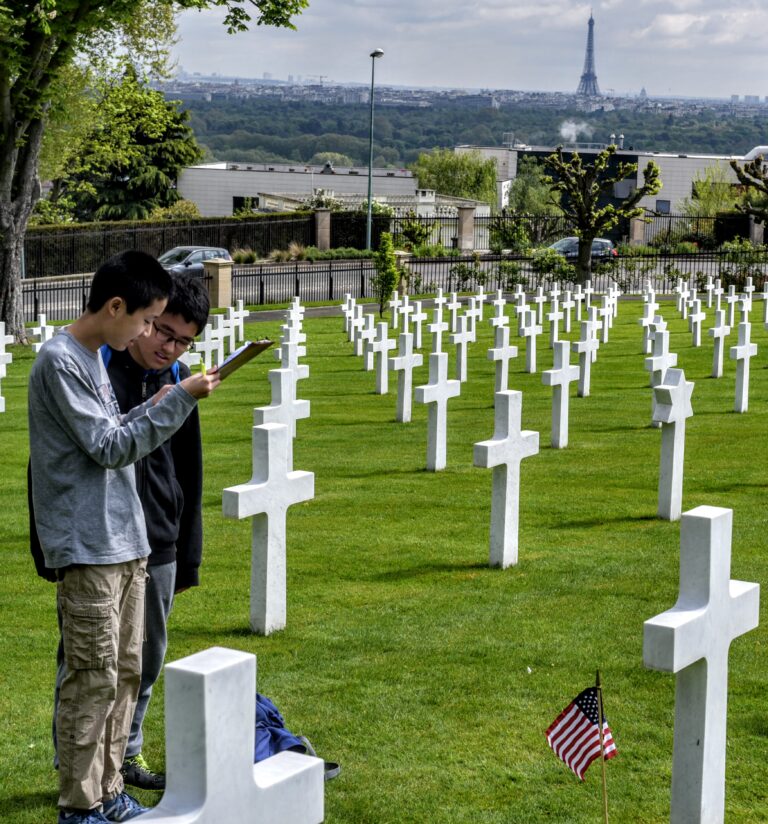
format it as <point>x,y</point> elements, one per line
<point>5,359</point>
<point>274,485</point>
<point>219,338</point>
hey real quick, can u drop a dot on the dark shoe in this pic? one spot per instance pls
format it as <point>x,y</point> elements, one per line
<point>123,807</point>
<point>136,772</point>
<point>332,769</point>
<point>81,817</point>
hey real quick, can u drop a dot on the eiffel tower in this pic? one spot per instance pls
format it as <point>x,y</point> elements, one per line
<point>588,83</point>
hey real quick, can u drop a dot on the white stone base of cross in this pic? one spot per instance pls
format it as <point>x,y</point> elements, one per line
<point>210,712</point>
<point>503,454</point>
<point>265,499</point>
<point>692,640</point>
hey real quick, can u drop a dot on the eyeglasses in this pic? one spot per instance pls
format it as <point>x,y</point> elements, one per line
<point>166,335</point>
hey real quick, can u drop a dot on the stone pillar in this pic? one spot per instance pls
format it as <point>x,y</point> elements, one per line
<point>220,285</point>
<point>756,231</point>
<point>466,228</point>
<point>636,232</point>
<point>403,271</point>
<point>323,229</point>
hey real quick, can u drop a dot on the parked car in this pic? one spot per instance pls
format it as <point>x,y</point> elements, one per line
<point>188,260</point>
<point>568,247</point>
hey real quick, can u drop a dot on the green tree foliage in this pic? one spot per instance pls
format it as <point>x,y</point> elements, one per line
<point>39,42</point>
<point>386,277</point>
<point>464,174</point>
<point>754,177</point>
<point>530,194</point>
<point>128,164</point>
<point>585,188</point>
<point>713,193</point>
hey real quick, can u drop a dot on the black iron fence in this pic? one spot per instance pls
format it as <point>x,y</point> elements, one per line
<point>75,250</point>
<point>329,280</point>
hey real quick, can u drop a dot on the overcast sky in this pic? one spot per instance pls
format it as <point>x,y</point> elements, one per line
<point>680,47</point>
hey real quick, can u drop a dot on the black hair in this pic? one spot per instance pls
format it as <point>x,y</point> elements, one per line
<point>136,277</point>
<point>189,298</point>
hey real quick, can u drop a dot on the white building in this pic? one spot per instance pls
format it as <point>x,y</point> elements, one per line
<point>219,189</point>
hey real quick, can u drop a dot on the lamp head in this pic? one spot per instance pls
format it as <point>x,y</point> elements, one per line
<point>377,53</point>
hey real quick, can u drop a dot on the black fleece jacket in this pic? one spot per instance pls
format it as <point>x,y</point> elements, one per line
<point>170,479</point>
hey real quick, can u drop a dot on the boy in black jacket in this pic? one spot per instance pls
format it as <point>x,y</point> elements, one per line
<point>169,482</point>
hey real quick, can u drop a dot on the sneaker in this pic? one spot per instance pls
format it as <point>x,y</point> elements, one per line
<point>136,772</point>
<point>81,817</point>
<point>122,807</point>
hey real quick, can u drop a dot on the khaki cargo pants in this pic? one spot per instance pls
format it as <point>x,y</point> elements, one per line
<point>101,608</point>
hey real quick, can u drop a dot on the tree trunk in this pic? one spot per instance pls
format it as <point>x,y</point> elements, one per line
<point>584,260</point>
<point>11,303</point>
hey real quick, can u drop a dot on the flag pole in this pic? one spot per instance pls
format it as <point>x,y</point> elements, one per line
<point>599,685</point>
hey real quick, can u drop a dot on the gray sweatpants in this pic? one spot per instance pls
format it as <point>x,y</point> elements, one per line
<point>158,601</point>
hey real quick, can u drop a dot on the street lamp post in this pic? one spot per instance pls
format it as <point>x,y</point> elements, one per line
<point>374,54</point>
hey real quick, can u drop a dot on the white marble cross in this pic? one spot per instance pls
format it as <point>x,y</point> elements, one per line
<point>347,309</point>
<point>531,330</point>
<point>44,331</point>
<point>356,325</point>
<point>645,321</point>
<point>240,315</point>
<point>406,310</point>
<point>615,293</point>
<point>503,453</point>
<point>266,498</point>
<point>559,378</point>
<point>210,707</point>
<point>709,288</point>
<point>395,305</point>
<point>481,298</point>
<point>453,306</point>
<point>593,317</point>
<point>208,346</point>
<point>366,335</point>
<point>436,329</point>
<point>578,298</point>
<point>5,357</point>
<point>419,316</point>
<point>436,393</point>
<point>718,293</point>
<point>502,352</point>
<point>473,315</point>
<point>567,305</point>
<point>684,295</point>
<point>461,340</point>
<point>539,299</point>
<point>765,301</point>
<point>749,288</point>
<point>606,313</point>
<point>719,332</point>
<point>678,290</point>
<point>692,641</point>
<point>554,292</point>
<point>673,406</point>
<point>291,351</point>
<point>499,318</point>
<point>745,307</point>
<point>731,299</point>
<point>438,303</point>
<point>585,346</point>
<point>284,407</point>
<point>380,345</point>
<point>190,359</point>
<point>404,364</point>
<point>742,353</point>
<point>225,331</point>
<point>554,316</point>
<point>696,318</point>
<point>588,292</point>
<point>521,310</point>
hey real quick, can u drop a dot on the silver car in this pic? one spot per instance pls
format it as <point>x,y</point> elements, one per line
<point>188,260</point>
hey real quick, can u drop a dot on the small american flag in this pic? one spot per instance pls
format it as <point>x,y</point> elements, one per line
<point>574,735</point>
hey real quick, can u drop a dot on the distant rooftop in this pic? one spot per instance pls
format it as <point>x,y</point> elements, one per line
<point>304,168</point>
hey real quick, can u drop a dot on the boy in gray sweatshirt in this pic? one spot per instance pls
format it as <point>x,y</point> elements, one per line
<point>91,526</point>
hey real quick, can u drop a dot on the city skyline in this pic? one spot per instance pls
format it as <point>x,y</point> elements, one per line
<point>693,48</point>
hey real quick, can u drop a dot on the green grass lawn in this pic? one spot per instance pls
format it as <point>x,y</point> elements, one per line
<point>428,675</point>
